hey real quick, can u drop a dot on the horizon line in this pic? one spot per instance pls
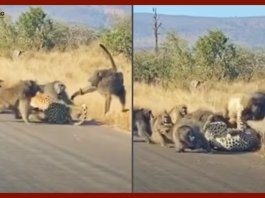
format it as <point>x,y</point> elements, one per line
<point>198,16</point>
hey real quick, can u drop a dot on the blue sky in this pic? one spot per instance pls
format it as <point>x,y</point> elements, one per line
<point>201,10</point>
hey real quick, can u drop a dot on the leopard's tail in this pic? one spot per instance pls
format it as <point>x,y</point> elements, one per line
<point>84,116</point>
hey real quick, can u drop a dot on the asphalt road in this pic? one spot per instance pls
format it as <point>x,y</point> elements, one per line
<point>162,170</point>
<point>52,158</point>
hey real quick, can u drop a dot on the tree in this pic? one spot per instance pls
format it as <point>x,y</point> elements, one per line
<point>35,29</point>
<point>156,27</point>
<point>214,50</point>
<point>119,38</point>
<point>7,33</point>
<point>178,50</point>
<point>250,63</point>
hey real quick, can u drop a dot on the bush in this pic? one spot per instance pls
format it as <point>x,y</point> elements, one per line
<point>119,38</point>
<point>34,30</point>
<point>213,57</point>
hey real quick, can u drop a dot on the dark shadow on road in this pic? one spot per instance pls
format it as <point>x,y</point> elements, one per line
<point>6,112</point>
<point>214,152</point>
<point>85,123</point>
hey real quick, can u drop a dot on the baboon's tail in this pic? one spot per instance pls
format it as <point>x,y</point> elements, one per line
<point>84,115</point>
<point>110,57</point>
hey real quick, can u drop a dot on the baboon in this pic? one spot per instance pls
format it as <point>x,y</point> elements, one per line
<point>57,90</point>
<point>107,82</point>
<point>253,105</point>
<point>17,98</point>
<point>187,135</point>
<point>258,106</point>
<point>141,120</point>
<point>161,126</point>
<point>16,54</point>
<point>201,115</point>
<point>196,83</point>
<point>178,112</point>
<point>53,111</point>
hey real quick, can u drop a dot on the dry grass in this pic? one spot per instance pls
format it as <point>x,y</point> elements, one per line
<point>73,68</point>
<point>213,97</point>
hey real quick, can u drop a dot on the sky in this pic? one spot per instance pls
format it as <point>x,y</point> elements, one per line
<point>203,10</point>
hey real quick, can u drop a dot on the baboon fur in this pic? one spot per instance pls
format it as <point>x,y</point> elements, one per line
<point>186,134</point>
<point>178,112</point>
<point>196,83</point>
<point>161,125</point>
<point>108,82</point>
<point>57,90</point>
<point>258,106</point>
<point>201,115</point>
<point>142,122</point>
<point>253,106</point>
<point>17,98</point>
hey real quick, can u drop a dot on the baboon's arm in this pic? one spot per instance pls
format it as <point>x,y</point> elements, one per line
<point>65,98</point>
<point>83,91</point>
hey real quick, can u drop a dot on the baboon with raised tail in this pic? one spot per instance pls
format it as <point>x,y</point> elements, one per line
<point>108,82</point>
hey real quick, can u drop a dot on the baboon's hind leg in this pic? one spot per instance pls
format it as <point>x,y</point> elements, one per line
<point>122,98</point>
<point>107,103</point>
<point>158,138</point>
<point>87,89</point>
<point>143,133</point>
<point>179,145</point>
<point>179,148</point>
<point>16,111</point>
<point>24,109</point>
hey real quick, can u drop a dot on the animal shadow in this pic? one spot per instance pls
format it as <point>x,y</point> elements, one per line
<point>231,153</point>
<point>214,152</point>
<point>138,141</point>
<point>91,122</point>
<point>7,112</point>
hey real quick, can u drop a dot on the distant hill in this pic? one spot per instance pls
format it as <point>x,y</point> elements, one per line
<point>248,31</point>
<point>94,16</point>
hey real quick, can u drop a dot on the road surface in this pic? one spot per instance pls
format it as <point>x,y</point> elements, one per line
<point>157,169</point>
<point>60,158</point>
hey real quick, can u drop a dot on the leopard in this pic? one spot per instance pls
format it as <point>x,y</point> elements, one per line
<point>56,112</point>
<point>240,139</point>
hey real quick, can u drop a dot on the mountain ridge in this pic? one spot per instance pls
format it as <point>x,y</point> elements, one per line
<point>93,15</point>
<point>248,31</point>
